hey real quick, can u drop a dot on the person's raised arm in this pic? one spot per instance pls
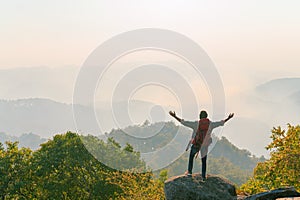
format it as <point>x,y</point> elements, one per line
<point>222,122</point>
<point>173,114</point>
<point>229,117</point>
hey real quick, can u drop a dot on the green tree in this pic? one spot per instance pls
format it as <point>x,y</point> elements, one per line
<point>163,175</point>
<point>282,169</point>
<point>113,155</point>
<point>139,186</point>
<point>64,169</point>
<point>15,172</point>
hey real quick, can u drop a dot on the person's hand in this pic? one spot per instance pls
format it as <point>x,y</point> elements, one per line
<point>230,115</point>
<point>172,113</point>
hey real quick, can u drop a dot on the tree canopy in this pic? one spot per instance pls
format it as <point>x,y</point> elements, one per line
<point>62,168</point>
<point>282,169</point>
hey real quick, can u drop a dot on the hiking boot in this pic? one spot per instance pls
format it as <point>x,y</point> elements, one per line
<point>187,173</point>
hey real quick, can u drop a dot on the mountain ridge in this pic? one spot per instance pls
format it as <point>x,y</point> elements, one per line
<point>279,88</point>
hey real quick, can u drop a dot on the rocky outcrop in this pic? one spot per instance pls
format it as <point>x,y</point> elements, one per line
<point>275,194</point>
<point>214,187</point>
<point>194,188</point>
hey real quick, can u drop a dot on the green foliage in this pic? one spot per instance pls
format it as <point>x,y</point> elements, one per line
<point>15,172</point>
<point>64,169</point>
<point>138,186</point>
<point>282,169</point>
<point>163,176</point>
<point>112,154</point>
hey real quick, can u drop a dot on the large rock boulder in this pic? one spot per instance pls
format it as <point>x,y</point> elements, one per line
<point>193,188</point>
<point>275,194</point>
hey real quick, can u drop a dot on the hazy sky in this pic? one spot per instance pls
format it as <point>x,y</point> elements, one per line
<point>256,34</point>
<point>250,41</point>
<point>258,40</point>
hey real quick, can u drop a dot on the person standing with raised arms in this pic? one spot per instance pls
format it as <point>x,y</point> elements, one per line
<point>201,137</point>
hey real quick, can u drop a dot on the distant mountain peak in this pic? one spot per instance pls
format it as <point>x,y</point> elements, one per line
<point>279,88</point>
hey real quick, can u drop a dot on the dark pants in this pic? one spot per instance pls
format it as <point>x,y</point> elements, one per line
<point>193,152</point>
